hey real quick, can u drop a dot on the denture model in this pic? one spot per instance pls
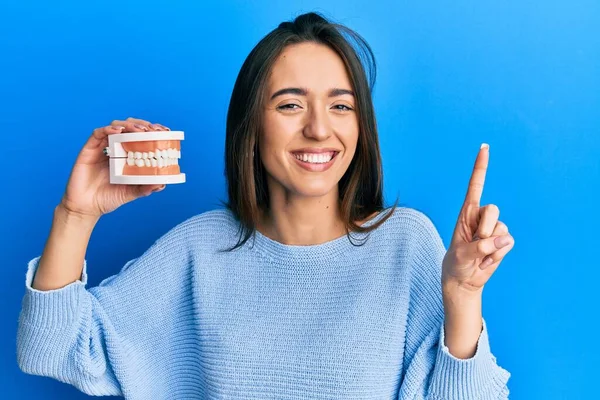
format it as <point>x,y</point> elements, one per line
<point>145,158</point>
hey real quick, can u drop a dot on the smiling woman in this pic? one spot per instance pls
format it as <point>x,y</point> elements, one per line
<point>301,311</point>
<point>301,114</point>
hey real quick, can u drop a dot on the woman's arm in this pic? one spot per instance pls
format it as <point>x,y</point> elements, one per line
<point>62,259</point>
<point>462,320</point>
<point>431,371</point>
<point>112,338</point>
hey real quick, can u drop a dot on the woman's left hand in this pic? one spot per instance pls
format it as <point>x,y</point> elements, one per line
<point>480,241</point>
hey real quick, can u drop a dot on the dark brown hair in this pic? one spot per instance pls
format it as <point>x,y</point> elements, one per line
<point>361,187</point>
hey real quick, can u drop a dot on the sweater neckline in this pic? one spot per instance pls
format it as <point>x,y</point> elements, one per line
<point>309,254</point>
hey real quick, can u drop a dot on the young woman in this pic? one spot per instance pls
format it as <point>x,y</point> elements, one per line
<point>304,286</point>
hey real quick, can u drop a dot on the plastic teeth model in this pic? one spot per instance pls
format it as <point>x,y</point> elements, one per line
<point>145,158</point>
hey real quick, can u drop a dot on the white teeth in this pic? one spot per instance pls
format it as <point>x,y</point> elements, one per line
<point>157,158</point>
<point>320,158</point>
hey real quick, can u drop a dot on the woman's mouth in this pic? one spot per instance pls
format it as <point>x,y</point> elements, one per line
<point>315,162</point>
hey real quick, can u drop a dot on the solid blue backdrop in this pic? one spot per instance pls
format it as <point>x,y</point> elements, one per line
<point>521,76</point>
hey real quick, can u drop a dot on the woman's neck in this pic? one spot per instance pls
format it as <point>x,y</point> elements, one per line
<point>296,220</point>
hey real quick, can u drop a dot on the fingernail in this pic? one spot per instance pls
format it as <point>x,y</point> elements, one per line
<point>501,241</point>
<point>117,127</point>
<point>487,146</point>
<point>158,189</point>
<point>140,127</point>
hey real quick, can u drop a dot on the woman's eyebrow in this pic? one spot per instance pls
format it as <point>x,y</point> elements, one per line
<point>303,92</point>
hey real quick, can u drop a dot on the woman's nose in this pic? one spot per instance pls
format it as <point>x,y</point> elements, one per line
<point>317,125</point>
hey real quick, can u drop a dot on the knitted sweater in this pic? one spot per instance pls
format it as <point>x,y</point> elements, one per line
<point>266,321</point>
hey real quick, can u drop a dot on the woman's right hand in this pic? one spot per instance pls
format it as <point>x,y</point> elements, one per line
<point>89,193</point>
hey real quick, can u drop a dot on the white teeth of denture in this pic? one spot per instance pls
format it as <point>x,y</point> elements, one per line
<point>157,158</point>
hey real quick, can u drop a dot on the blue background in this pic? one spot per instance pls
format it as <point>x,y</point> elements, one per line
<point>522,76</point>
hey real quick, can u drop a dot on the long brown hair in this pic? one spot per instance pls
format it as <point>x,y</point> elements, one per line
<point>361,187</point>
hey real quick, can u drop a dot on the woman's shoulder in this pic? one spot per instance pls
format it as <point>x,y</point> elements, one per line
<point>211,226</point>
<point>405,219</point>
<point>218,221</point>
<point>406,228</point>
<point>218,217</point>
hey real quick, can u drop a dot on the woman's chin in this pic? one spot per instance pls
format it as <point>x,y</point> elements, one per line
<point>314,189</point>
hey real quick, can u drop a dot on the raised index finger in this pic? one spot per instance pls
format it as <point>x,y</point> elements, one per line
<point>475,189</point>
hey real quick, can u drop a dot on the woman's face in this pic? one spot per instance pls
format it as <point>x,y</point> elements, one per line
<point>310,126</point>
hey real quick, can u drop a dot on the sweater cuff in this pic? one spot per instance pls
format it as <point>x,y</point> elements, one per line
<point>52,309</point>
<point>471,378</point>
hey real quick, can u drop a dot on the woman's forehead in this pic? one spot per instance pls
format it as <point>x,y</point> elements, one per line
<point>311,66</point>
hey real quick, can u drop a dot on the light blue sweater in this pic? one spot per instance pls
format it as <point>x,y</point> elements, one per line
<point>267,321</point>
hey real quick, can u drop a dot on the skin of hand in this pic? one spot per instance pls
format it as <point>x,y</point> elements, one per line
<point>479,244</point>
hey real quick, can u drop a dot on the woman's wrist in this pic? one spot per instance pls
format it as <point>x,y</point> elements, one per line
<point>463,320</point>
<point>63,215</point>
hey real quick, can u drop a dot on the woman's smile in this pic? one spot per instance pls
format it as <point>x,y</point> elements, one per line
<point>315,160</point>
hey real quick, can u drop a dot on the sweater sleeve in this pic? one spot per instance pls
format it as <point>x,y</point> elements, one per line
<point>431,372</point>
<point>101,340</point>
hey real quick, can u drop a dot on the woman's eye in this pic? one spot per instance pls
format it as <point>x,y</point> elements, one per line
<point>344,108</point>
<point>288,107</point>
